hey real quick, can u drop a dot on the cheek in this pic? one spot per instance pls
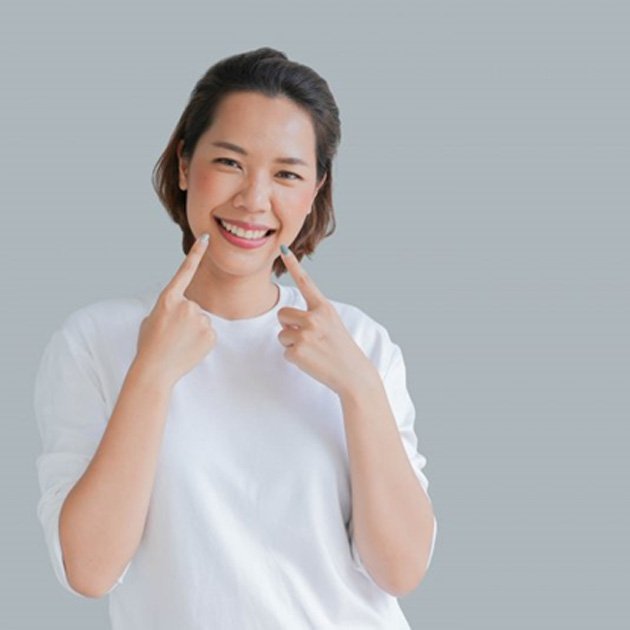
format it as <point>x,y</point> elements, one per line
<point>292,206</point>
<point>207,181</point>
<point>298,204</point>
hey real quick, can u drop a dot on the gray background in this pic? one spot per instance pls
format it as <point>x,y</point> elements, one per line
<point>482,203</point>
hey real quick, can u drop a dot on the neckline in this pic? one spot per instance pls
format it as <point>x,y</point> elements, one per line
<point>256,320</point>
<point>286,298</point>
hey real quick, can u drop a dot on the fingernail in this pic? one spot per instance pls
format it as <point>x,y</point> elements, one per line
<point>284,249</point>
<point>204,237</point>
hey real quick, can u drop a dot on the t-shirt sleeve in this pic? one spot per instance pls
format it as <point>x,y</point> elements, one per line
<point>395,382</point>
<point>70,412</point>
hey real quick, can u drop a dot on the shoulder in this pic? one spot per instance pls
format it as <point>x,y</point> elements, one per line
<point>106,320</point>
<point>92,341</point>
<point>370,334</point>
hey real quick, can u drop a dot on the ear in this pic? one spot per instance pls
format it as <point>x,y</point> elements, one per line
<point>182,167</point>
<point>320,185</point>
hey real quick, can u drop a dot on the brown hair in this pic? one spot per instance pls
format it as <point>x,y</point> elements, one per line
<point>268,72</point>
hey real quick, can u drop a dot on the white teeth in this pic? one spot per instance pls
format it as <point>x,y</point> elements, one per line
<point>251,234</point>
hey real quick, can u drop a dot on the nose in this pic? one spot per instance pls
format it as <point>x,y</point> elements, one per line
<point>254,196</point>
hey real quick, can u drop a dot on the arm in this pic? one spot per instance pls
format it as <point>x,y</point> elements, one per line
<point>97,468</point>
<point>392,514</point>
<point>103,516</point>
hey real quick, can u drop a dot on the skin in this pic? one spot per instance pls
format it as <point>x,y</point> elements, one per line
<point>104,515</point>
<point>233,282</point>
<point>317,341</point>
<point>393,516</point>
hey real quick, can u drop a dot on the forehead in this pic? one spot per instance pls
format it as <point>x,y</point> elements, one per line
<point>256,121</point>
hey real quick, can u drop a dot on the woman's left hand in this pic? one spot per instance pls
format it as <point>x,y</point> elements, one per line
<point>317,340</point>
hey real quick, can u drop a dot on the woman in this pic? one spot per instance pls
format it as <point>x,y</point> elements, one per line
<point>213,444</point>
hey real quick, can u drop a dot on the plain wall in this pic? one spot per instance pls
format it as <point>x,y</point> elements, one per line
<point>482,203</point>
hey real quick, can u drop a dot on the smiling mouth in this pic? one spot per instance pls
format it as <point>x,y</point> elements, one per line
<point>218,221</point>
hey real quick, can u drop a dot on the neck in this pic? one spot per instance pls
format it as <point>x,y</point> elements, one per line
<point>233,297</point>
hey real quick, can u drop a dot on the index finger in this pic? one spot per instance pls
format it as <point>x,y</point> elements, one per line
<point>305,283</point>
<point>183,276</point>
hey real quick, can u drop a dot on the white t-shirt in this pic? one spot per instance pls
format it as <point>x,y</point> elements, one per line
<point>249,525</point>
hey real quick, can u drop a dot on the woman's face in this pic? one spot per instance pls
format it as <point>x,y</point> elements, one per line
<point>246,182</point>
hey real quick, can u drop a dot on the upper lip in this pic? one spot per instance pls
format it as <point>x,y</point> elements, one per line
<point>247,226</point>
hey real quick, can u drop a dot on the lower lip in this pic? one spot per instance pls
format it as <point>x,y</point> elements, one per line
<point>246,243</point>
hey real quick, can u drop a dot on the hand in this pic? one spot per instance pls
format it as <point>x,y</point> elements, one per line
<point>177,334</point>
<point>317,340</point>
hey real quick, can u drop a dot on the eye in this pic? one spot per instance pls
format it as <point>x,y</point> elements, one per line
<point>290,173</point>
<point>294,175</point>
<point>226,160</point>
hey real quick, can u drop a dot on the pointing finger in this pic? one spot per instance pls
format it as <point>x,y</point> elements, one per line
<point>189,266</point>
<point>305,283</point>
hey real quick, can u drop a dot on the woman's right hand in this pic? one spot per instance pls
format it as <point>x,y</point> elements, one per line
<point>177,334</point>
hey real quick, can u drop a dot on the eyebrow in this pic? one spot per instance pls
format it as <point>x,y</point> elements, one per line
<point>234,147</point>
